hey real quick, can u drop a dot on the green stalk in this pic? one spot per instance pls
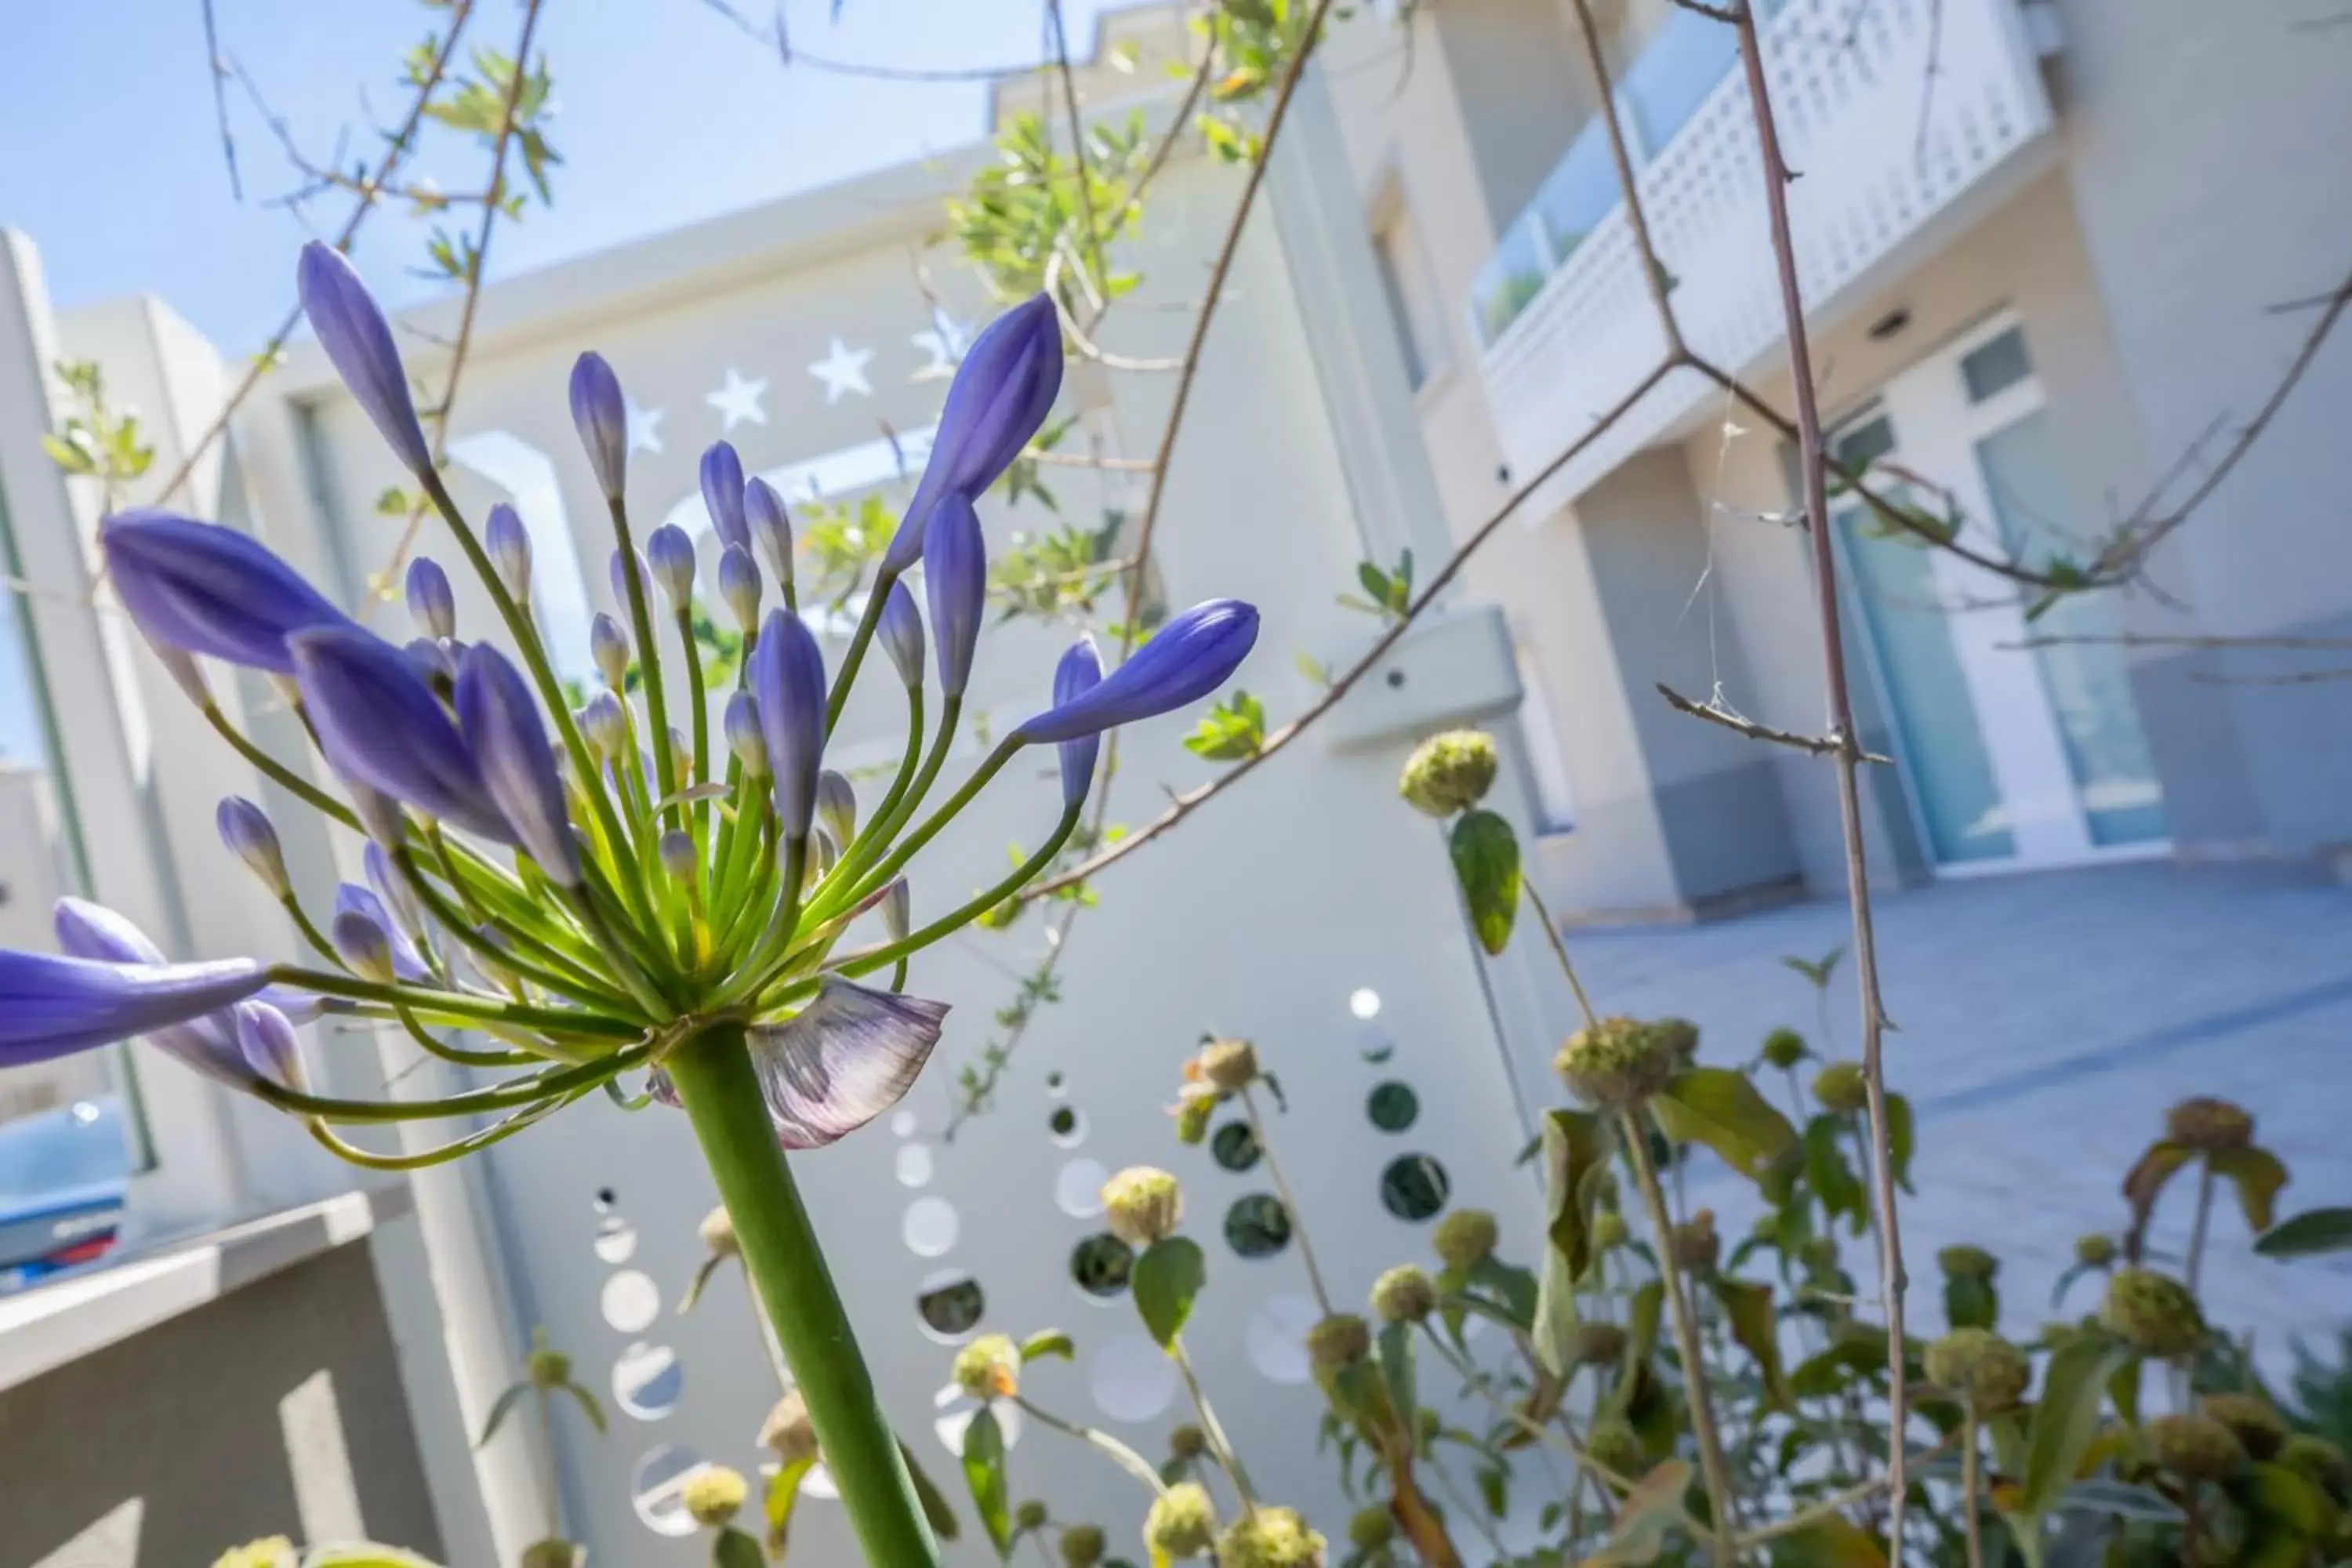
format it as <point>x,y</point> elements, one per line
<point>563,982</point>
<point>701,811</point>
<point>712,1073</point>
<point>463,1008</point>
<point>641,622</point>
<point>972,909</point>
<point>906,793</point>
<point>988,768</point>
<point>856,654</point>
<point>497,1133</point>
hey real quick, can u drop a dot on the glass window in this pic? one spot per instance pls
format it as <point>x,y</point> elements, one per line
<point>1995,367</point>
<point>1683,60</point>
<point>1405,285</point>
<point>1579,192</point>
<point>1512,276</point>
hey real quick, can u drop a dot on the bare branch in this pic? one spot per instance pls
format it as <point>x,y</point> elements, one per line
<point>219,73</point>
<point>772,35</point>
<point>1713,712</point>
<point>2150,639</point>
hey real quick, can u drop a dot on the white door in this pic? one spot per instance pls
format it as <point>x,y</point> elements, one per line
<point>2013,757</point>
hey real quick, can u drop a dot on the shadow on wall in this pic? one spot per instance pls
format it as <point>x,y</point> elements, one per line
<point>276,1409</point>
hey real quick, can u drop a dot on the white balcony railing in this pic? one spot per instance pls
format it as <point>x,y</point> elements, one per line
<point>1561,308</point>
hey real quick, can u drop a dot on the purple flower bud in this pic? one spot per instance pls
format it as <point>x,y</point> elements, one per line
<point>431,661</point>
<point>431,604</point>
<point>363,946</point>
<point>203,588</point>
<point>1079,672</point>
<point>621,559</point>
<point>266,1038</point>
<point>351,898</point>
<point>955,578</point>
<point>771,528</point>
<point>378,723</point>
<point>1000,394</point>
<point>608,645</point>
<point>393,890</point>
<point>1187,659</point>
<point>606,725</point>
<point>836,806</point>
<point>902,635</point>
<point>722,493</point>
<point>677,858</point>
<point>114,984</point>
<point>500,723</point>
<point>898,908</point>
<point>788,682</point>
<point>379,813</point>
<point>670,553</point>
<point>507,542</point>
<point>739,585</point>
<point>248,832</point>
<point>600,415</point>
<point>358,339</point>
<point>744,736</point>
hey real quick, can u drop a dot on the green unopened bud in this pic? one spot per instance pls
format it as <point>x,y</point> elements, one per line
<point>1229,1065</point>
<point>1188,1442</point>
<point>714,1494</point>
<point>1449,773</point>
<point>788,1433</point>
<point>2319,1461</point>
<point>989,1367</point>
<point>1608,1230</point>
<point>1194,1112</point>
<point>1840,1087</point>
<point>1405,1294</point>
<point>547,1367</point>
<point>1082,1546</point>
<point>1183,1521</point>
<point>1339,1341</point>
<point>2094,1250</point>
<point>1370,1529</point>
<point>2209,1126</point>
<point>1617,1063</point>
<point>2253,1420</point>
<point>1143,1204</point>
<point>717,1231</point>
<point>1967,1263</point>
<point>1597,1345</point>
<point>551,1553</point>
<point>1270,1537</point>
<point>1464,1238</point>
<point>1030,1515</point>
<point>2154,1313</point>
<point>1695,1245</point>
<point>1615,1445</point>
<point>1987,1371</point>
<point>2194,1447</point>
<point>1784,1048</point>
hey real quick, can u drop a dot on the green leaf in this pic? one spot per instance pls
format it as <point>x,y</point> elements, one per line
<point>1555,1326</point>
<point>1394,1346</point>
<point>501,1411</point>
<point>2122,1499</point>
<point>1375,582</point>
<point>2258,1176</point>
<point>733,1548</point>
<point>2145,1181</point>
<point>1513,1286</point>
<point>2308,1233</point>
<point>1574,1146</point>
<point>1047,1342</point>
<point>1164,1280</point>
<point>1831,1542</point>
<point>928,1493</point>
<point>588,1405</point>
<point>695,1287</point>
<point>1487,863</point>
<point>983,1473</point>
<point>1652,1509</point>
<point>1723,1109</point>
<point>1826,1170</point>
<point>1641,1318</point>
<point>1747,1306</point>
<point>1970,1302</point>
<point>782,1496</point>
<point>2287,1518</point>
<point>1901,1138</point>
<point>2065,1418</point>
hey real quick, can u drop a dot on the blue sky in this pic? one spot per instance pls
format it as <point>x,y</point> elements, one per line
<point>669,114</point>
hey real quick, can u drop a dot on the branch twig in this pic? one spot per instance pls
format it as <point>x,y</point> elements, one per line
<point>1819,745</point>
<point>218,71</point>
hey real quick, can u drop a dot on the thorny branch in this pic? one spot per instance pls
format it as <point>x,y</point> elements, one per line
<point>1713,712</point>
<point>218,70</point>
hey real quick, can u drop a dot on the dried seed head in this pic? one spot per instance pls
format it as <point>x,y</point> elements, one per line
<point>1617,1063</point>
<point>1188,1442</point>
<point>717,1231</point>
<point>1230,1064</point>
<point>2251,1419</point>
<point>1270,1537</point>
<point>1370,1529</point>
<point>1986,1371</point>
<point>1597,1345</point>
<point>1464,1238</point>
<point>1082,1546</point>
<point>1784,1048</point>
<point>1183,1521</point>
<point>989,1367</point>
<point>2096,1250</point>
<point>1143,1204</point>
<point>1448,774</point>
<point>1695,1244</point>
<point>1613,1443</point>
<point>2194,1447</point>
<point>787,1433</point>
<point>1339,1341</point>
<point>1405,1294</point>
<point>714,1495</point>
<point>2154,1313</point>
<point>2209,1126</point>
<point>1967,1263</point>
<point>1679,1039</point>
<point>1839,1088</point>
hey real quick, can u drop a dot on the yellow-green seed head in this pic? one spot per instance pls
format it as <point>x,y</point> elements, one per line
<point>1339,1341</point>
<point>1464,1238</point>
<point>1784,1048</point>
<point>1839,1088</point>
<point>2318,1461</point>
<point>1030,1515</point>
<point>1608,1230</point>
<point>2209,1126</point>
<point>1270,1537</point>
<point>1405,1294</point>
<point>989,1367</point>
<point>1597,1345</point>
<point>1183,1521</point>
<point>717,1228</point>
<point>787,1433</point>
<point>1987,1371</point>
<point>548,1369</point>
<point>1613,1444</point>
<point>1143,1204</point>
<point>1188,1442</point>
<point>2154,1313</point>
<point>1450,772</point>
<point>1193,1114</point>
<point>1230,1064</point>
<point>1371,1528</point>
<point>2096,1250</point>
<point>2253,1419</point>
<point>1967,1263</point>
<point>550,1553</point>
<point>2194,1447</point>
<point>1617,1063</point>
<point>714,1495</point>
<point>1695,1244</point>
<point>270,1551</point>
<point>1082,1546</point>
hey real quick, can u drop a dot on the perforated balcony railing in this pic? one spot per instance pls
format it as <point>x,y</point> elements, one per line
<point>1892,112</point>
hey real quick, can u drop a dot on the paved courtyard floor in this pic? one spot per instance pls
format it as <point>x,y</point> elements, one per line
<point>2046,1022</point>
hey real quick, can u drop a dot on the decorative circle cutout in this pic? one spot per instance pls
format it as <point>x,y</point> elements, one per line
<point>1056,1085</point>
<point>951,1304</point>
<point>1364,1003</point>
<point>1234,1146</point>
<point>1077,1188</point>
<point>1100,1266</point>
<point>1275,1338</point>
<point>648,1381</point>
<point>1131,1378</point>
<point>631,1301</point>
<point>605,1199</point>
<point>1066,1126</point>
<point>617,1239</point>
<point>658,1488</point>
<point>904,1124</point>
<point>1414,1187</point>
<point>1258,1225</point>
<point>1392,1107</point>
<point>930,1228</point>
<point>914,1165</point>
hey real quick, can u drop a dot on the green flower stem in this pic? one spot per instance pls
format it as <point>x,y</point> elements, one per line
<point>847,677</point>
<point>750,881</point>
<point>641,625</point>
<point>713,1076</point>
<point>529,921</point>
<point>286,778</point>
<point>1969,1484</point>
<point>565,982</point>
<point>458,1053</point>
<point>497,1133</point>
<point>1289,1199</point>
<point>914,942</point>
<point>701,811</point>
<point>907,791</point>
<point>607,914</point>
<point>311,933</point>
<point>782,925</point>
<point>465,1009</point>
<point>527,1090</point>
<point>1712,1467</point>
<point>475,912</point>
<point>601,931</point>
<point>1220,1445</point>
<point>993,765</point>
<point>1119,1454</point>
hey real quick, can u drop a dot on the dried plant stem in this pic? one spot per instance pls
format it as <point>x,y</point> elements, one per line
<point>1847,762</point>
<point>1559,950</point>
<point>1219,1446</point>
<point>1119,1454</point>
<point>1714,1470</point>
<point>2196,1262</point>
<point>1289,1199</point>
<point>1968,1484</point>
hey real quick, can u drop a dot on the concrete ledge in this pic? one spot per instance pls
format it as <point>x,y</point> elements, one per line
<point>50,1325</point>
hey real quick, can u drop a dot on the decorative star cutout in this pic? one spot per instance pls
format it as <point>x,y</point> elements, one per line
<point>645,426</point>
<point>738,401</point>
<point>843,371</point>
<point>945,342</point>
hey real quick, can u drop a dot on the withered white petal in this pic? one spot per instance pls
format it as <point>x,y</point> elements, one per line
<point>845,1059</point>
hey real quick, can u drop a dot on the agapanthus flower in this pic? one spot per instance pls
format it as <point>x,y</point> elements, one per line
<point>113,985</point>
<point>499,723</point>
<point>203,588</point>
<point>364,945</point>
<point>508,544</point>
<point>399,899</point>
<point>600,415</point>
<point>1079,672</point>
<point>739,586</point>
<point>378,722</point>
<point>669,553</point>
<point>1000,396</point>
<point>431,604</point>
<point>265,1039</point>
<point>788,683</point>
<point>722,493</point>
<point>1187,659</point>
<point>836,806</point>
<point>902,635</point>
<point>772,528</point>
<point>247,833</point>
<point>358,341</point>
<point>955,578</point>
<point>740,724</point>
